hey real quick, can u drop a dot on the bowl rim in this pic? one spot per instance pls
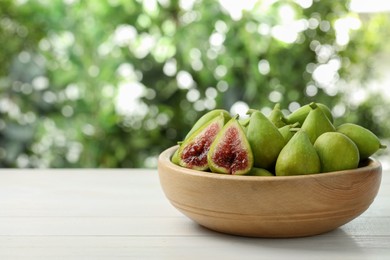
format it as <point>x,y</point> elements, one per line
<point>165,158</point>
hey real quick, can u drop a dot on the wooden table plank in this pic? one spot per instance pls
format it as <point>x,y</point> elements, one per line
<point>213,247</point>
<point>68,193</point>
<point>147,226</point>
<point>116,214</point>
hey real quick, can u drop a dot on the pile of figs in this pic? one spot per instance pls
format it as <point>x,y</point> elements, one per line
<point>303,142</point>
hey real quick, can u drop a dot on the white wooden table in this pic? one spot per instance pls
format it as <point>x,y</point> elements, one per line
<point>123,214</point>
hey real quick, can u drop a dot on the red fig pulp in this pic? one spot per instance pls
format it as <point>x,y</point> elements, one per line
<point>193,151</point>
<point>230,153</point>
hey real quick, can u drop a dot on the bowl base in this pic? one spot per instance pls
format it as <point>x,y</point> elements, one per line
<point>266,227</point>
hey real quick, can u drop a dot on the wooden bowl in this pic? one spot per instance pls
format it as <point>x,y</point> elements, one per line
<point>275,206</point>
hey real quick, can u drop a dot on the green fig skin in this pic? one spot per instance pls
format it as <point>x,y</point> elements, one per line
<point>337,152</point>
<point>206,118</point>
<point>192,152</point>
<point>175,157</point>
<point>286,131</point>
<point>244,123</point>
<point>366,141</point>
<point>259,172</point>
<point>230,152</point>
<point>301,113</point>
<point>277,117</point>
<point>265,139</point>
<point>317,123</point>
<point>298,157</point>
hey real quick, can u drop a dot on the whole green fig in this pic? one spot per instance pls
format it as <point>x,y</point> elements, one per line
<point>337,152</point>
<point>301,113</point>
<point>265,139</point>
<point>316,123</point>
<point>277,117</point>
<point>366,141</point>
<point>298,157</point>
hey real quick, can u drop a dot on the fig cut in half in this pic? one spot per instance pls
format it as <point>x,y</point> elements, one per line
<point>193,151</point>
<point>230,153</point>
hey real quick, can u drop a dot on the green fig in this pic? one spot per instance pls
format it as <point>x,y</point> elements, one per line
<point>206,118</point>
<point>286,131</point>
<point>298,157</point>
<point>277,117</point>
<point>230,152</point>
<point>265,139</point>
<point>301,113</point>
<point>192,153</point>
<point>337,152</point>
<point>366,141</point>
<point>259,172</point>
<point>316,123</point>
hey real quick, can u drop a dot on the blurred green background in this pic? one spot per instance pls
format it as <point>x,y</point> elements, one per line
<point>113,83</point>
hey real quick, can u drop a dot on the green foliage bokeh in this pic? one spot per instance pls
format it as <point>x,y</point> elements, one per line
<point>113,83</point>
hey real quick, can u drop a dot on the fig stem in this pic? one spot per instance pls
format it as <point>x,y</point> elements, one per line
<point>295,125</point>
<point>251,111</point>
<point>294,129</point>
<point>382,146</point>
<point>313,105</point>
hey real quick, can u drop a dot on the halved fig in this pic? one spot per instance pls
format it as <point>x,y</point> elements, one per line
<point>230,153</point>
<point>192,153</point>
